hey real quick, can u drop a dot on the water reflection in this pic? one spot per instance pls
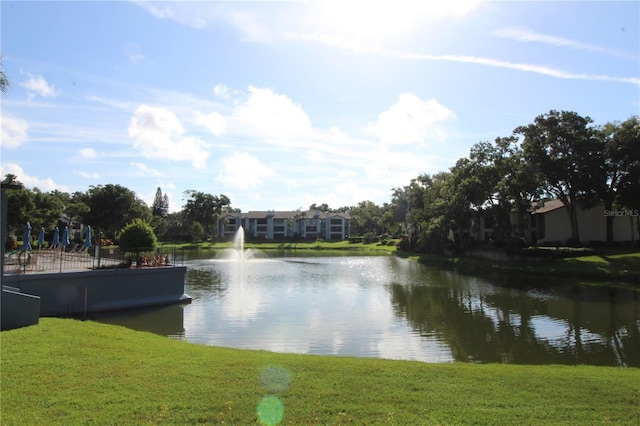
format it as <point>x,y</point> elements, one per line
<point>481,322</point>
<point>165,320</point>
<point>390,308</point>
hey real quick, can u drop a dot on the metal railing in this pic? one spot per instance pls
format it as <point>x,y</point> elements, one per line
<point>71,259</point>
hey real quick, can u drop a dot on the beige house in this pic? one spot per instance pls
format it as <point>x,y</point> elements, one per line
<point>549,222</point>
<point>278,225</point>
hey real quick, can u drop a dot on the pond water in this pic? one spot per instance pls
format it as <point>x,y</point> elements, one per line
<point>387,307</point>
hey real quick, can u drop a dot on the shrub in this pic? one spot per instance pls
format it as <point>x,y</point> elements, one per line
<point>369,237</point>
<point>136,237</point>
<point>516,245</point>
<point>197,232</point>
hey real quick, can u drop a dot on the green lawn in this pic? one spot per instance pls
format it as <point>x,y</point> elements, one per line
<point>603,267</point>
<point>67,372</point>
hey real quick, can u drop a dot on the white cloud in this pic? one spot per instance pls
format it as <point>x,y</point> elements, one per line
<point>146,171</point>
<point>94,175</point>
<point>13,131</point>
<point>37,85</point>
<point>314,156</point>
<point>213,122</point>
<point>157,133</point>
<point>371,21</point>
<point>368,27</point>
<point>292,184</point>
<point>479,60</point>
<point>29,181</point>
<point>527,36</point>
<point>88,153</point>
<point>272,115</point>
<point>376,22</point>
<point>253,26</point>
<point>410,120</point>
<point>221,91</point>
<point>182,12</point>
<point>243,171</point>
<point>134,53</point>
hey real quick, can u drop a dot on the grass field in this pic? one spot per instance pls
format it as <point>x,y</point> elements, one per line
<point>68,372</point>
<point>610,268</point>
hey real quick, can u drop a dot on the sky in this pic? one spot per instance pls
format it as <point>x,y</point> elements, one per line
<point>279,105</point>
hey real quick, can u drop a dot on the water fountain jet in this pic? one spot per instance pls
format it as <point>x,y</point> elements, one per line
<point>238,252</point>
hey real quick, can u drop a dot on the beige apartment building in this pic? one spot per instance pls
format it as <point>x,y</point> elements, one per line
<point>280,225</point>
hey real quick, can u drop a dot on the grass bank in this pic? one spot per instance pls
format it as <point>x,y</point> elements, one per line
<point>63,372</point>
<point>610,267</point>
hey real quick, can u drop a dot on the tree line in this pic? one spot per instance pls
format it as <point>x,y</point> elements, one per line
<point>561,155</point>
<point>109,208</point>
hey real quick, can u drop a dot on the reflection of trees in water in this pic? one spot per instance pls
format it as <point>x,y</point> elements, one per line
<point>203,281</point>
<point>486,323</point>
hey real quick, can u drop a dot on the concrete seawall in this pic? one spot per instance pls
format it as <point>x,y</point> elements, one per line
<point>17,309</point>
<point>73,293</point>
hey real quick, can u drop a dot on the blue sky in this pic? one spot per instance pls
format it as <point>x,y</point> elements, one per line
<point>279,105</point>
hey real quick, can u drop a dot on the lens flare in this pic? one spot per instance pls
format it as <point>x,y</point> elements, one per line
<point>270,410</point>
<point>275,379</point>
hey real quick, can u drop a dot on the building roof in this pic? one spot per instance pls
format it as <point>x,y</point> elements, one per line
<point>287,214</point>
<point>547,206</point>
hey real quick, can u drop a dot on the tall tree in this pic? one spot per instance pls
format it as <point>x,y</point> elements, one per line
<point>204,208</point>
<point>160,206</point>
<point>20,203</point>
<point>74,205</point>
<point>48,208</point>
<point>475,180</point>
<point>366,217</point>
<point>519,182</point>
<point>111,207</point>
<point>435,211</point>
<point>613,168</point>
<point>324,207</point>
<point>559,144</point>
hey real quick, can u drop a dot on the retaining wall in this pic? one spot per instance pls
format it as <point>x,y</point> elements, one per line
<point>18,309</point>
<point>73,293</point>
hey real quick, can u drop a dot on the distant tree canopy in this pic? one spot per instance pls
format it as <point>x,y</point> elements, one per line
<point>560,155</point>
<point>41,209</point>
<point>322,207</point>
<point>204,208</point>
<point>111,207</point>
<point>160,205</point>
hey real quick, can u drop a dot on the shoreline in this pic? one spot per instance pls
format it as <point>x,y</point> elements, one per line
<point>599,266</point>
